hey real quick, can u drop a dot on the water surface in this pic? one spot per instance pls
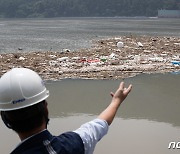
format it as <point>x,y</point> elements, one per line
<point>76,33</point>
<point>145,123</point>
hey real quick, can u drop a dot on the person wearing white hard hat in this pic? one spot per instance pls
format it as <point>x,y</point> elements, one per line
<point>24,109</point>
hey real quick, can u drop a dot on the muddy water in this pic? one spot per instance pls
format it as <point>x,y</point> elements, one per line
<point>146,122</point>
<point>77,33</point>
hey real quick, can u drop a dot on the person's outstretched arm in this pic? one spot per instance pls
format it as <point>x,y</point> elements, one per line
<point>117,98</point>
<point>91,132</point>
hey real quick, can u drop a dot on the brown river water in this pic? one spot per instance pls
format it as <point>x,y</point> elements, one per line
<point>146,122</point>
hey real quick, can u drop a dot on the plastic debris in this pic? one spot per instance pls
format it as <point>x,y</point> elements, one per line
<point>139,44</point>
<point>120,44</point>
<point>176,63</point>
<point>147,51</point>
<point>66,50</point>
<point>105,60</point>
<point>156,59</point>
<point>20,48</point>
<point>93,60</point>
<point>76,58</point>
<point>112,56</point>
<point>52,56</point>
<point>21,58</point>
<point>53,63</point>
<point>63,59</point>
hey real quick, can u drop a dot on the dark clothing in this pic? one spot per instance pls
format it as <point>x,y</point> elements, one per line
<point>45,143</point>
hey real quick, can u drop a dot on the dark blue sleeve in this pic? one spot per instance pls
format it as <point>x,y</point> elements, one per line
<point>70,143</point>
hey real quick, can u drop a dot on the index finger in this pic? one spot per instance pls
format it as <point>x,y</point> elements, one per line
<point>121,86</point>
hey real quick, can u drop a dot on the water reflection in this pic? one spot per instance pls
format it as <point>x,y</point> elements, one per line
<point>154,97</point>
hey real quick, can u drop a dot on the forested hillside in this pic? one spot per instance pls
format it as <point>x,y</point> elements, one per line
<point>83,8</point>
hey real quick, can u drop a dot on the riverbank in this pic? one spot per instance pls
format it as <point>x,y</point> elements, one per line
<point>112,58</point>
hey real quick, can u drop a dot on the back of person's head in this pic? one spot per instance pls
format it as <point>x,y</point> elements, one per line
<point>26,119</point>
<point>22,99</point>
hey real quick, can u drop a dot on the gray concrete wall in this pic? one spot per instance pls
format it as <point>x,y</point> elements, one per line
<point>169,13</point>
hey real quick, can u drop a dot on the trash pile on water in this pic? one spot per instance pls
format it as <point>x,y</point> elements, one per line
<point>114,58</point>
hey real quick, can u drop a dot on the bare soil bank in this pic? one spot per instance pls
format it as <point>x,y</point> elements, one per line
<point>113,58</point>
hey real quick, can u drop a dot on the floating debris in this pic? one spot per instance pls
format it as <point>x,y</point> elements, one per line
<point>22,58</point>
<point>114,58</point>
<point>139,44</point>
<point>120,44</point>
<point>176,63</point>
<point>20,48</point>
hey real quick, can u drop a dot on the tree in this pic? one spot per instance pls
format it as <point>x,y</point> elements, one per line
<point>67,8</point>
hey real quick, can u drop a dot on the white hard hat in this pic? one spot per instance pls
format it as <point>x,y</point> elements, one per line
<point>20,88</point>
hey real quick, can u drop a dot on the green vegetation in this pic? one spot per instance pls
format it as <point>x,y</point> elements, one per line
<point>83,8</point>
